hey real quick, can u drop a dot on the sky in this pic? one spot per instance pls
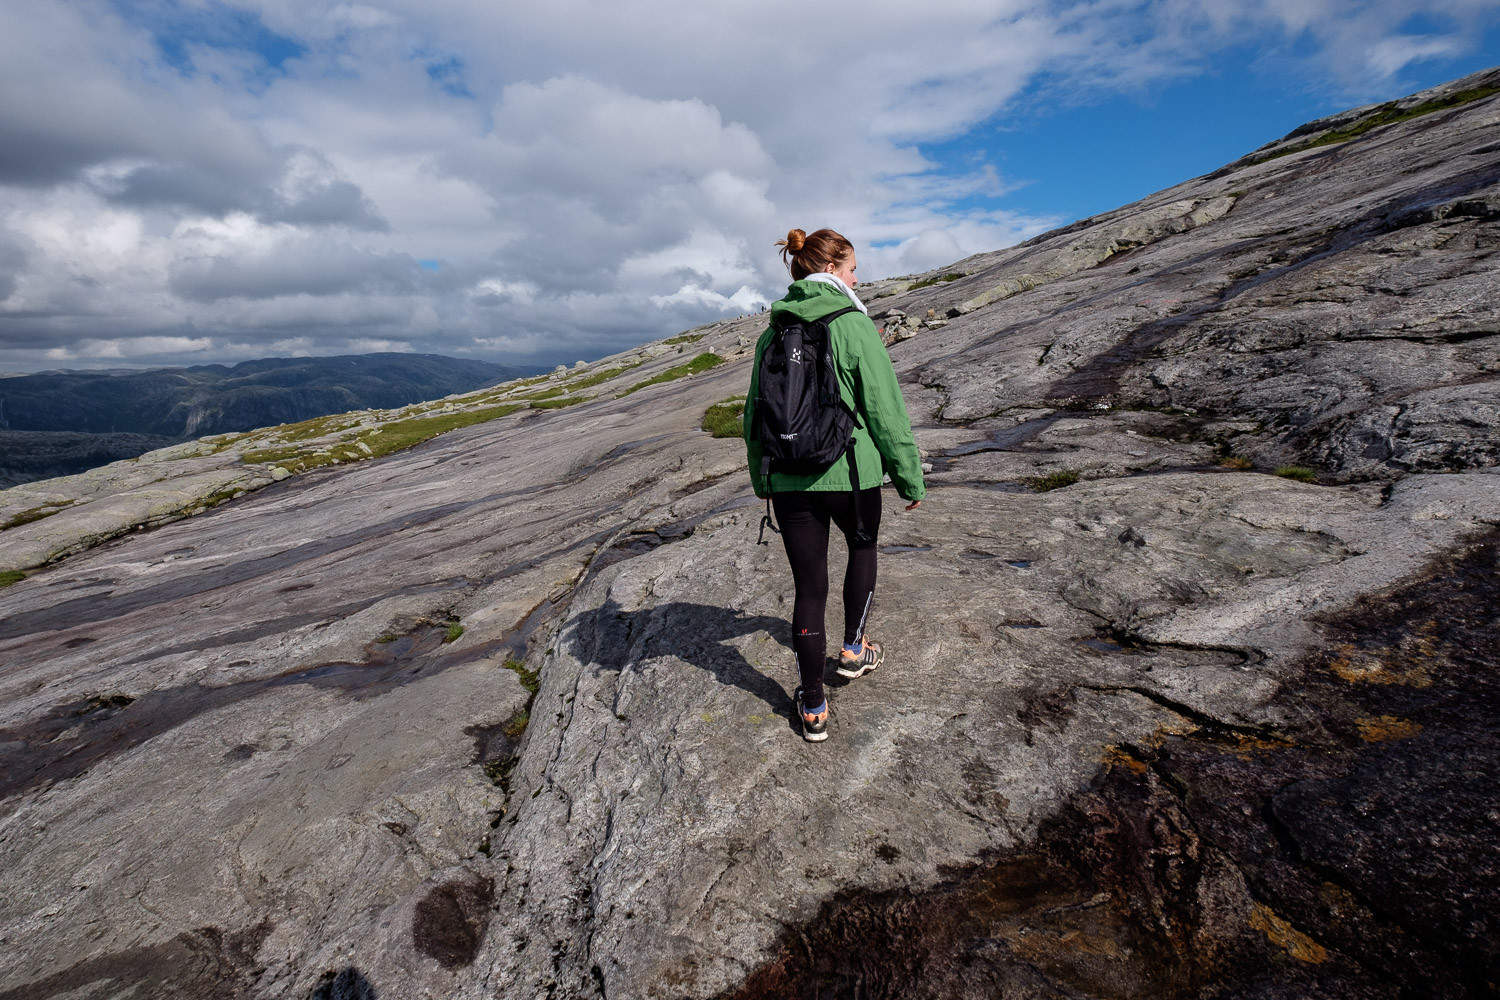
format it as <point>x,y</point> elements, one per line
<point>192,182</point>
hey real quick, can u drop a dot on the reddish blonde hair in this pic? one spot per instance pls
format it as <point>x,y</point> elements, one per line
<point>804,254</point>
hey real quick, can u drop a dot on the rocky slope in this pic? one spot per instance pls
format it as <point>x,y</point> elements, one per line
<point>1180,726</point>
<point>60,423</point>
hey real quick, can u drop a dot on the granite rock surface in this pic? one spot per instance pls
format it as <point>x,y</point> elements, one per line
<point>507,713</point>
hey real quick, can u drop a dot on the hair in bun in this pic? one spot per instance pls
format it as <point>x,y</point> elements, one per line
<point>804,254</point>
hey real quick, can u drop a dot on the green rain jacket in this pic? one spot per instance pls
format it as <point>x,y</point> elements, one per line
<point>883,441</point>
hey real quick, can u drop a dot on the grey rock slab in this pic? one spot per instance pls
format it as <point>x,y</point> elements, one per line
<point>88,523</point>
<point>667,782</point>
<point>176,703</point>
<point>267,613</point>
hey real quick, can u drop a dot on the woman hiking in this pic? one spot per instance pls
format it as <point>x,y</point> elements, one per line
<point>846,492</point>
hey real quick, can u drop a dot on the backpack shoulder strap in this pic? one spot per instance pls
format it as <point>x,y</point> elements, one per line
<point>837,313</point>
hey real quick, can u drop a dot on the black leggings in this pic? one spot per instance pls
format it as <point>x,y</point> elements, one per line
<point>804,521</point>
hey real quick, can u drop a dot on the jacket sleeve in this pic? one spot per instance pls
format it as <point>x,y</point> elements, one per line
<point>879,398</point>
<point>752,447</point>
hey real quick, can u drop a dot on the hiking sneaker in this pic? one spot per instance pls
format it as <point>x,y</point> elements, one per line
<point>852,665</point>
<point>812,732</point>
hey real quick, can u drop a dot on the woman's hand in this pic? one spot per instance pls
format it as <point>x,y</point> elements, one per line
<point>914,505</point>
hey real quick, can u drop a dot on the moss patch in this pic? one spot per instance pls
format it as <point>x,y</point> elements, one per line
<point>10,576</point>
<point>36,513</point>
<point>1300,473</point>
<point>701,363</point>
<point>529,679</point>
<point>936,280</point>
<point>558,403</point>
<point>1051,481</point>
<point>726,419</point>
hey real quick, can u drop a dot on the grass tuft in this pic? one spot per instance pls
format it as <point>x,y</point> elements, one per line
<point>726,419</point>
<point>454,631</point>
<point>1300,473</point>
<point>558,403</point>
<point>1051,481</point>
<point>685,338</point>
<point>1237,462</point>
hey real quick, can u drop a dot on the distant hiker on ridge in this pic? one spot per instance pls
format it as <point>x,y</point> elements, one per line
<point>824,422</point>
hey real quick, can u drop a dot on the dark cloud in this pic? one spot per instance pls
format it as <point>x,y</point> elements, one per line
<point>12,263</point>
<point>325,201</point>
<point>294,267</point>
<point>337,202</point>
<point>178,185</point>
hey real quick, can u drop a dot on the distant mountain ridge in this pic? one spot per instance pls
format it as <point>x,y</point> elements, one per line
<point>126,413</point>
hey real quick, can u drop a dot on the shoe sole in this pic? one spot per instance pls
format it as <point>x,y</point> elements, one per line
<point>807,735</point>
<point>852,672</point>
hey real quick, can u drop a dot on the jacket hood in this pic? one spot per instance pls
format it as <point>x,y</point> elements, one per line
<point>810,300</point>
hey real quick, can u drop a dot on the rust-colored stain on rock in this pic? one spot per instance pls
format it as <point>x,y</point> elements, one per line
<point>1287,937</point>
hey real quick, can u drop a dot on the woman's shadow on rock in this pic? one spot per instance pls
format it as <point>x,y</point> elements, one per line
<point>612,639</point>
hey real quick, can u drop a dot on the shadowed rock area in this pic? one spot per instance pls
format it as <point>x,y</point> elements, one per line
<point>507,712</point>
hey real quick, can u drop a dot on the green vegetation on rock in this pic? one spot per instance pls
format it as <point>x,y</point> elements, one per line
<point>529,679</point>
<point>383,440</point>
<point>10,576</point>
<point>1386,114</point>
<point>685,338</point>
<point>589,381</point>
<point>726,419</point>
<point>559,403</point>
<point>701,363</point>
<point>1051,481</point>
<point>36,513</point>
<point>405,433</point>
<point>292,459</point>
<point>546,393</point>
<point>1301,473</point>
<point>454,630</point>
<point>315,428</point>
<point>936,280</point>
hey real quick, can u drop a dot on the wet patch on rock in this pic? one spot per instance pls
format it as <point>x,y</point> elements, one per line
<point>450,921</point>
<point>346,984</point>
<point>206,962</point>
<point>72,738</point>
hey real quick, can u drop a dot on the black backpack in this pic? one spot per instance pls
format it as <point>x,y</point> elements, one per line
<point>801,420</point>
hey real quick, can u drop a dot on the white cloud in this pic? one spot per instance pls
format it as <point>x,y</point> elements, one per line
<point>616,173</point>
